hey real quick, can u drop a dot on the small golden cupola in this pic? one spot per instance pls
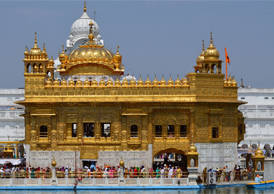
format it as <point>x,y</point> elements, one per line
<point>35,49</point>
<point>211,52</point>
<point>211,62</point>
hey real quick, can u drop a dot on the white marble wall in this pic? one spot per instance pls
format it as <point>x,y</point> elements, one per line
<point>62,158</point>
<point>131,158</point>
<point>269,169</point>
<point>213,155</point>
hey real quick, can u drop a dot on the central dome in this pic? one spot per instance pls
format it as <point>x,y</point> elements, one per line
<point>81,26</point>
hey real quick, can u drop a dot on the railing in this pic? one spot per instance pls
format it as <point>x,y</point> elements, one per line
<point>23,174</point>
<point>96,179</point>
<point>84,174</point>
<point>229,176</point>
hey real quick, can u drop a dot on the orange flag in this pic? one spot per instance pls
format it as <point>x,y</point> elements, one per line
<point>226,57</point>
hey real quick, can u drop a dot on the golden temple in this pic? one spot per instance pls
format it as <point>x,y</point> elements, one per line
<point>106,119</point>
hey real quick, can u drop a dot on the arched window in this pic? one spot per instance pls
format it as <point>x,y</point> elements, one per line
<point>133,131</point>
<point>192,162</point>
<point>259,166</point>
<point>244,146</point>
<point>43,131</point>
<point>254,146</point>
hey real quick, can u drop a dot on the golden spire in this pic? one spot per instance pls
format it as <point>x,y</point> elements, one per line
<point>177,82</point>
<point>211,40</point>
<point>117,58</point>
<point>192,147</point>
<point>147,82</point>
<point>44,47</point>
<point>85,6</point>
<point>117,82</point>
<point>163,81</point>
<point>203,45</point>
<point>155,81</point>
<point>91,36</point>
<point>140,82</point>
<point>35,41</point>
<point>170,81</point>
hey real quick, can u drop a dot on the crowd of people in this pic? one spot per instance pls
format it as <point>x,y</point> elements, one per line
<point>93,171</point>
<point>114,172</point>
<point>25,172</point>
<point>226,174</point>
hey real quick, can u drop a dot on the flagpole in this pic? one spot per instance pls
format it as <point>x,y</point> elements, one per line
<point>226,69</point>
<point>225,64</point>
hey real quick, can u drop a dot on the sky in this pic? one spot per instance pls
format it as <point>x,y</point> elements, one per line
<point>155,37</point>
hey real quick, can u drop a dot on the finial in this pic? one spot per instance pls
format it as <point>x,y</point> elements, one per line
<point>258,144</point>
<point>140,76</point>
<point>177,76</point>
<point>211,37</point>
<point>63,48</point>
<point>162,76</point>
<point>27,50</point>
<point>35,40</point>
<point>118,48</point>
<point>192,139</point>
<point>85,6</point>
<point>147,76</point>
<point>242,83</point>
<point>51,58</point>
<point>170,76</point>
<point>203,45</point>
<point>59,52</point>
<point>44,47</point>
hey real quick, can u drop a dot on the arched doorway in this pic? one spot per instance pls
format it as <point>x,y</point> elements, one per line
<point>171,157</point>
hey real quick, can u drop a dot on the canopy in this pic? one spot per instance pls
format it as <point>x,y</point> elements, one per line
<point>12,160</point>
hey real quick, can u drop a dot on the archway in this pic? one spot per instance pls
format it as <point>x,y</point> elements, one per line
<point>171,157</point>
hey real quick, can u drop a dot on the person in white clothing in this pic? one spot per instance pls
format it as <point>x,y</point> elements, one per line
<point>170,172</point>
<point>162,172</point>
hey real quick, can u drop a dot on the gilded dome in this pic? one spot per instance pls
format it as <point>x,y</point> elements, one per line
<point>91,52</point>
<point>192,148</point>
<point>259,152</point>
<point>211,52</point>
<point>35,50</point>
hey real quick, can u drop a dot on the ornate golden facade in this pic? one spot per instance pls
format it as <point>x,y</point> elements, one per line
<point>164,114</point>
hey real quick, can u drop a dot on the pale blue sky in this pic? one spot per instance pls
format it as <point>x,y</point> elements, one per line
<point>155,37</point>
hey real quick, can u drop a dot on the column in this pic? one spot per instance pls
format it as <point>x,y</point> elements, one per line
<point>192,124</point>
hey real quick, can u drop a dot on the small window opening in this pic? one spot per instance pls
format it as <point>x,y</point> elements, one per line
<point>183,131</point>
<point>88,129</point>
<point>74,129</point>
<point>133,131</point>
<point>170,130</point>
<point>105,129</point>
<point>43,131</point>
<point>215,132</point>
<point>158,130</point>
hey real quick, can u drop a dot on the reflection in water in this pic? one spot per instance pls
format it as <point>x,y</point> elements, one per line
<point>222,190</point>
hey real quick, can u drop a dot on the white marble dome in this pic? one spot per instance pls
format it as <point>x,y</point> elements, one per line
<point>80,27</point>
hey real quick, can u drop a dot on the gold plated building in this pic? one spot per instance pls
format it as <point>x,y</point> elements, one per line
<point>80,117</point>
